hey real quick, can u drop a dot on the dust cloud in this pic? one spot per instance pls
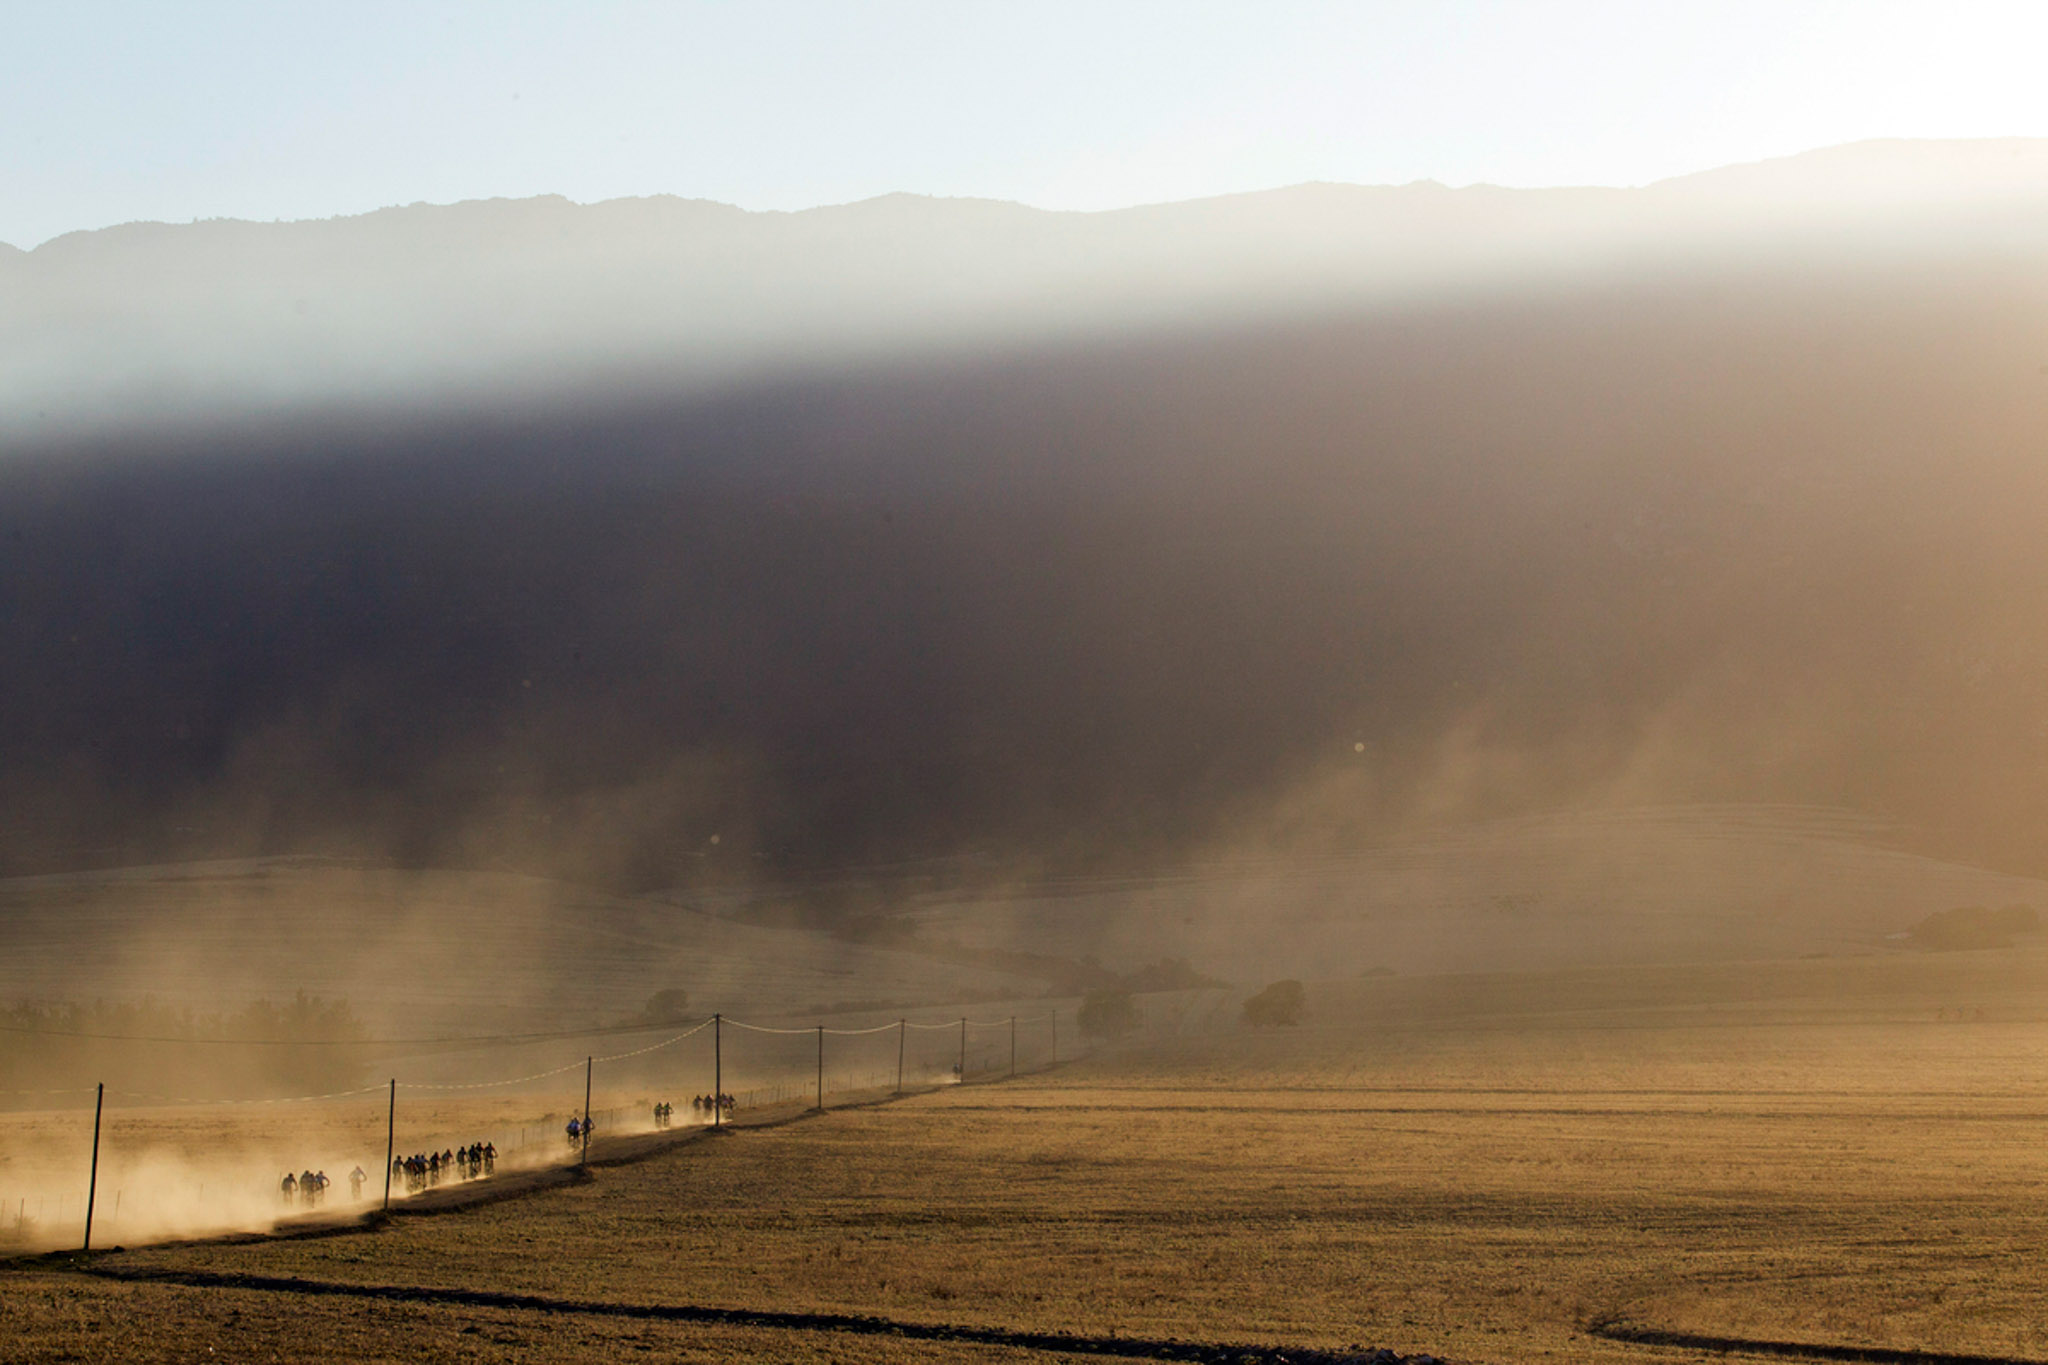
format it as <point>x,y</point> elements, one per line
<point>1405,580</point>
<point>1758,536</point>
<point>172,1167</point>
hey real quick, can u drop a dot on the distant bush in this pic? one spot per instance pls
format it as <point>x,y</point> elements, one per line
<point>1108,1014</point>
<point>1973,926</point>
<point>1279,1003</point>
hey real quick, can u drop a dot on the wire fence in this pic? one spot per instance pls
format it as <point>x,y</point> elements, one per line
<point>164,1164</point>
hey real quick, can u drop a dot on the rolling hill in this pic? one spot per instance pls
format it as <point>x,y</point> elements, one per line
<point>1304,523</point>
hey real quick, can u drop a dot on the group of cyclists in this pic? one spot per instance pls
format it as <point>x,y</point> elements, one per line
<point>703,1106</point>
<point>307,1187</point>
<point>310,1187</point>
<point>423,1171</point>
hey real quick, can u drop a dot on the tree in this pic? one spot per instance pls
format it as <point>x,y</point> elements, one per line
<point>1279,1003</point>
<point>1108,1014</point>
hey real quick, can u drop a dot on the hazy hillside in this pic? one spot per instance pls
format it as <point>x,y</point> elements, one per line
<point>512,302</point>
<point>438,952</point>
<point>1726,524</point>
<point>442,952</point>
<point>1656,885</point>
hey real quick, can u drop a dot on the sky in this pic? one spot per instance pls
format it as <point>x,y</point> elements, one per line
<point>114,112</point>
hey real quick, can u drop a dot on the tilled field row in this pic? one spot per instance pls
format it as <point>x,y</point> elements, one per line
<point>1137,1348</point>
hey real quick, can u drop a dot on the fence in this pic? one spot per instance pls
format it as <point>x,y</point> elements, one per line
<point>167,1150</point>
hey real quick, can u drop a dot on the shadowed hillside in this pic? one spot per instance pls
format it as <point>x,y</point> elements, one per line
<point>1687,885</point>
<point>509,304</point>
<point>1754,526</point>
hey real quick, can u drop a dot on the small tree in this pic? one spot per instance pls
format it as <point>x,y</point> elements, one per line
<point>1108,1014</point>
<point>1279,1003</point>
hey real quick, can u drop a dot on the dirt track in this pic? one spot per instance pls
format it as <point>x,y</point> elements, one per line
<point>621,1150</point>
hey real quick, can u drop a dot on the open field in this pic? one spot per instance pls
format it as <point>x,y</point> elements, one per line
<point>1486,1173</point>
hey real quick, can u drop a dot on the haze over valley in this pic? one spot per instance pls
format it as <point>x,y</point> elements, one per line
<point>1743,518</point>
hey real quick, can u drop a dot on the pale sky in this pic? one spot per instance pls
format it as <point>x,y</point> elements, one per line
<point>112,112</point>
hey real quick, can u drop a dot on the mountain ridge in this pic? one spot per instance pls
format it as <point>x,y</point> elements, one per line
<point>492,302</point>
<point>1873,154</point>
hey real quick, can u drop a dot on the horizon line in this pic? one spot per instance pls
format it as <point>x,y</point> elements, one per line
<point>1140,206</point>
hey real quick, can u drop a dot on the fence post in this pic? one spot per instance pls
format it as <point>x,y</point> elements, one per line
<point>717,1070</point>
<point>92,1184</point>
<point>391,1131</point>
<point>901,1025</point>
<point>583,1158</point>
<point>962,1069</point>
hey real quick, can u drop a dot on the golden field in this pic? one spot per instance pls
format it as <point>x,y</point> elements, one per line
<point>1831,1153</point>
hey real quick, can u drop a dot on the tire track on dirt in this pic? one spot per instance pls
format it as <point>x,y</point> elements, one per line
<point>1798,1350</point>
<point>1069,1343</point>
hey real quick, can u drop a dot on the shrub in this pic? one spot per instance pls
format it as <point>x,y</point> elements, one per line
<point>1108,1014</point>
<point>1279,1003</point>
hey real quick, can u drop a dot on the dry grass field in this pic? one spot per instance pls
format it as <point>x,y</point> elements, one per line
<point>1832,1153</point>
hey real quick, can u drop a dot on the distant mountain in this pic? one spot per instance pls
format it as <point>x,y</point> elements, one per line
<point>502,301</point>
<point>1014,540</point>
<point>1896,173</point>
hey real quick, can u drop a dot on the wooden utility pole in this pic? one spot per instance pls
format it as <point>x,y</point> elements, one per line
<point>390,1132</point>
<point>92,1184</point>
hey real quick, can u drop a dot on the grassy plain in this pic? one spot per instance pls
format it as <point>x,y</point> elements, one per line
<point>1836,1153</point>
